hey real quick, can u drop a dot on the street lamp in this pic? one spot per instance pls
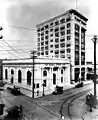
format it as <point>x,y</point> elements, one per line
<point>94,40</point>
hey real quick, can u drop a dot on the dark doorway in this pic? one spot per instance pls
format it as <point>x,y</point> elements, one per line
<point>28,78</point>
<point>19,76</point>
<point>6,74</point>
<point>54,78</point>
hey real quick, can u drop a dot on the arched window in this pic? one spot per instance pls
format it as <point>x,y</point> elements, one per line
<point>44,73</point>
<point>19,76</point>
<point>28,78</point>
<point>6,74</point>
<point>12,72</point>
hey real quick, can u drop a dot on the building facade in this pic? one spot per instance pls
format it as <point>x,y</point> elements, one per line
<point>64,37</point>
<point>50,71</point>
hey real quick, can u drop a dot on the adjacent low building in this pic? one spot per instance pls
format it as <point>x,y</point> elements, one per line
<point>50,71</point>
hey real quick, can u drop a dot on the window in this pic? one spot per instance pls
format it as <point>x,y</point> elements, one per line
<point>56,52</point>
<point>63,51</point>
<point>57,34</point>
<point>51,40</point>
<point>46,52</point>
<point>51,24</point>
<point>46,32</point>
<point>42,43</point>
<point>44,73</point>
<point>68,25</point>
<point>62,20</point>
<point>62,28</point>
<point>51,46</point>
<point>42,28</point>
<point>68,45</point>
<point>46,37</point>
<point>38,39</point>
<point>68,31</point>
<point>29,78</point>
<point>62,40</point>
<point>68,19</point>
<point>57,46</point>
<point>57,23</point>
<point>42,33</point>
<point>77,27</point>
<point>38,34</point>
<point>19,76</point>
<point>68,50</point>
<point>56,29</point>
<point>38,30</point>
<point>62,33</point>
<point>62,44</point>
<point>47,26</point>
<point>37,85</point>
<point>42,38</point>
<point>51,30</point>
<point>68,37</point>
<point>6,74</point>
<point>61,79</point>
<point>57,40</point>
<point>51,35</point>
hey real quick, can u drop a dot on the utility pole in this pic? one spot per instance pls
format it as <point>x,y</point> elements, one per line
<point>95,38</point>
<point>33,85</point>
<point>1,68</point>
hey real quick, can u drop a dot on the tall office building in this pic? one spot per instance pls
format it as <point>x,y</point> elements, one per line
<point>63,36</point>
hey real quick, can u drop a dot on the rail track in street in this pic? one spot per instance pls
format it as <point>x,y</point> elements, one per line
<point>68,101</point>
<point>69,97</point>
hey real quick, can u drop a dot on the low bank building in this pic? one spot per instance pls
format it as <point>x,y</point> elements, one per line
<point>30,74</point>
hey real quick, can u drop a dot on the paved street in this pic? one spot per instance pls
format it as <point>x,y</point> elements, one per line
<point>43,108</point>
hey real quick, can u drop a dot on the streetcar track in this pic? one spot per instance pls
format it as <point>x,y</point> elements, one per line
<point>72,97</point>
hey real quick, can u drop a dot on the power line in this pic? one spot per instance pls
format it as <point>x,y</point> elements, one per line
<point>19,27</point>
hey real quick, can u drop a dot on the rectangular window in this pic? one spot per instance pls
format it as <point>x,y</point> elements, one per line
<point>68,31</point>
<point>37,85</point>
<point>51,30</point>
<point>62,44</point>
<point>42,28</point>
<point>57,23</point>
<point>57,46</point>
<point>68,37</point>
<point>68,25</point>
<point>57,34</point>
<point>47,26</point>
<point>62,20</point>
<point>62,33</point>
<point>51,24</point>
<point>68,50</point>
<point>62,28</point>
<point>62,40</point>
<point>68,19</point>
<point>57,40</point>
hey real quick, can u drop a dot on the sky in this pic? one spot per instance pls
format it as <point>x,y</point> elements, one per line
<point>20,17</point>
